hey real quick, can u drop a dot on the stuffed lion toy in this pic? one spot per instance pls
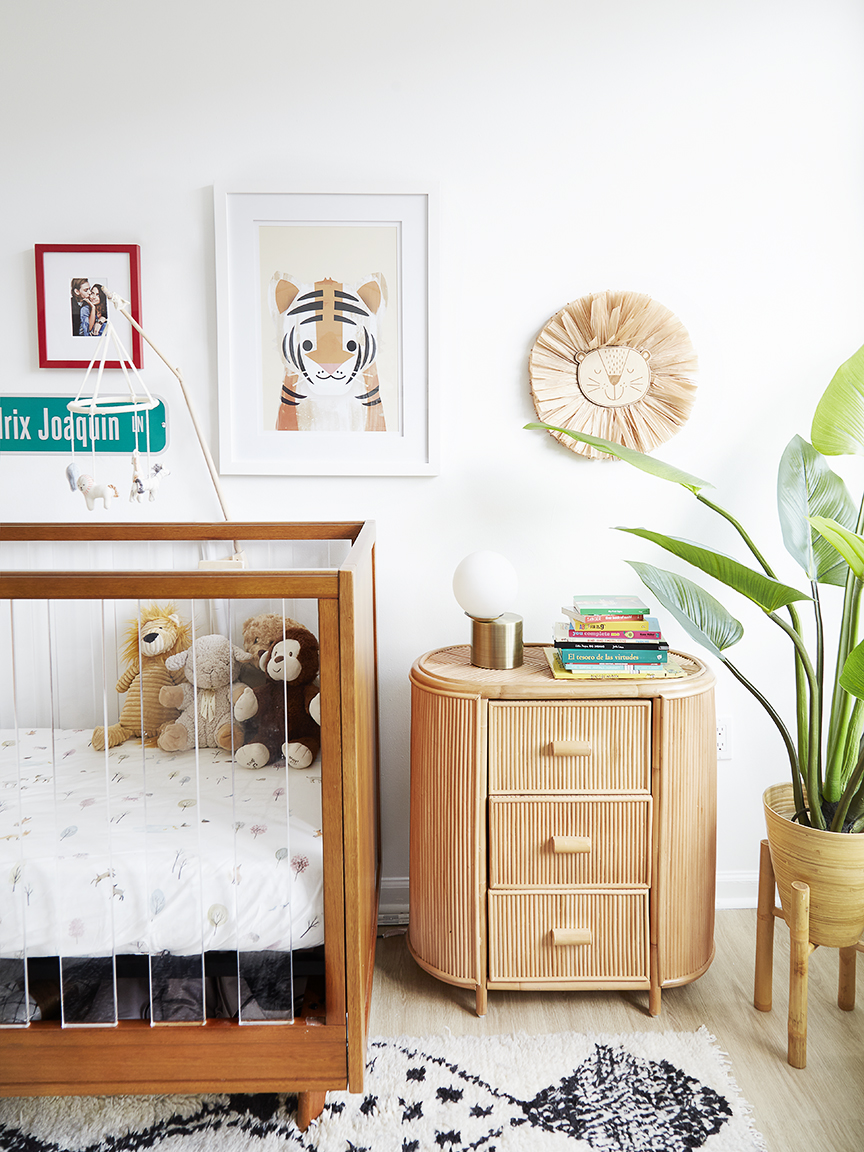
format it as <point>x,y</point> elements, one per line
<point>149,640</point>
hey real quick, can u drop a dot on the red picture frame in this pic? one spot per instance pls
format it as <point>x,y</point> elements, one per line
<point>58,266</point>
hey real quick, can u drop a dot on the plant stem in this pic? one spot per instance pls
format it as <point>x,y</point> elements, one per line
<point>850,747</point>
<point>835,765</point>
<point>802,718</point>
<point>855,814</point>
<point>820,633</point>
<point>848,794</point>
<point>820,680</point>
<point>812,776</point>
<point>766,567</point>
<point>783,730</point>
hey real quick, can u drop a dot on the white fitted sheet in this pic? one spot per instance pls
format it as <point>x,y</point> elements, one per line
<point>138,850</point>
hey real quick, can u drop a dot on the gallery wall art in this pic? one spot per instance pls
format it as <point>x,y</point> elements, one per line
<point>616,365</point>
<point>323,305</point>
<point>73,285</point>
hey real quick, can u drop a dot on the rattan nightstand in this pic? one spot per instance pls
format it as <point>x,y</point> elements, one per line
<point>562,832</point>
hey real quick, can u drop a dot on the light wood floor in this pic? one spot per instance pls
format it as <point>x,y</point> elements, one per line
<point>816,1109</point>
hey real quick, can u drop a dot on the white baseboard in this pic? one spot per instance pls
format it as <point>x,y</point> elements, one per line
<point>393,902</point>
<point>734,890</point>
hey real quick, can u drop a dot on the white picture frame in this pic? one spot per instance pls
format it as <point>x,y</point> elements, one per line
<point>316,236</point>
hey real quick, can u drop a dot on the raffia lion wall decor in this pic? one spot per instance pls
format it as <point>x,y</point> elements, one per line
<point>614,365</point>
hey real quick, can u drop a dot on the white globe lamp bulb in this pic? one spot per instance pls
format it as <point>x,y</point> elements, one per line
<point>485,585</point>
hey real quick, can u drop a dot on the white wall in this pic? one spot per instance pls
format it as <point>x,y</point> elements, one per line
<point>706,154</point>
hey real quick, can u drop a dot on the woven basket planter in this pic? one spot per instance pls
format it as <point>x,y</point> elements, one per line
<point>830,863</point>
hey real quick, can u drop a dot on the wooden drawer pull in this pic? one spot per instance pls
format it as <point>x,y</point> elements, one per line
<point>563,936</point>
<point>571,747</point>
<point>569,844</point>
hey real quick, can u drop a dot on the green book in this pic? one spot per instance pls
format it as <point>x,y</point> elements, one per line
<point>598,655</point>
<point>593,605</point>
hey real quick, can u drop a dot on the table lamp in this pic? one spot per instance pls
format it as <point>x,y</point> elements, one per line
<point>485,585</point>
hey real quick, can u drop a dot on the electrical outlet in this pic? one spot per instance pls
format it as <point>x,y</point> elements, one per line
<point>724,738</point>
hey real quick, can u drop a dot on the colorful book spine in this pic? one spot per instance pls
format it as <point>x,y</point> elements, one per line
<point>610,605</point>
<point>616,672</point>
<point>610,645</point>
<point>604,618</point>
<point>612,671</point>
<point>610,619</point>
<point>606,655</point>
<point>610,631</point>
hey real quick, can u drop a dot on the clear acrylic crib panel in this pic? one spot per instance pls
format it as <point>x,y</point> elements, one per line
<point>62,677</point>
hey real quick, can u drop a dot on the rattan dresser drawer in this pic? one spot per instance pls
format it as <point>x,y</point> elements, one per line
<point>570,746</point>
<point>572,840</point>
<point>545,937</point>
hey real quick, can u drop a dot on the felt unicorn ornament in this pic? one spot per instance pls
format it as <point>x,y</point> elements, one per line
<point>144,481</point>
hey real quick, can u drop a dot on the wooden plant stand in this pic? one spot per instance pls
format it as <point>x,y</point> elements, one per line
<point>800,948</point>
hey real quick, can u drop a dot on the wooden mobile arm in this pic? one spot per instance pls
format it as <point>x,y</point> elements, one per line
<point>120,305</point>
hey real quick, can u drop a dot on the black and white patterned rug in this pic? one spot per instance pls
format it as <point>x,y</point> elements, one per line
<point>658,1092</point>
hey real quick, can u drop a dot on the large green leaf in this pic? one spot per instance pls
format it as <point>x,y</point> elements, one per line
<point>762,590</point>
<point>637,459</point>
<point>806,487</point>
<point>852,677</point>
<point>703,617</point>
<point>849,544</point>
<point>838,422</point>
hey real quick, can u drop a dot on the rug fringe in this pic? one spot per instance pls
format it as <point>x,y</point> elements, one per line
<point>744,1104</point>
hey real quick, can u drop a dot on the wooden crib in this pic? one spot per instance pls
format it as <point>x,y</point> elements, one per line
<point>322,1047</point>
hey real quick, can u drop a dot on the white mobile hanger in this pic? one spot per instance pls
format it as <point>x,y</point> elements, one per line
<point>95,405</point>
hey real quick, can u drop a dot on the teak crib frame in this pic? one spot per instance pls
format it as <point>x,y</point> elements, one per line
<point>307,1056</point>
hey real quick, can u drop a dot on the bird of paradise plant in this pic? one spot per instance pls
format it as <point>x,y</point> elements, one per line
<point>824,531</point>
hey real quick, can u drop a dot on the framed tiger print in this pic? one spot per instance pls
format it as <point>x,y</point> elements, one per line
<point>323,322</point>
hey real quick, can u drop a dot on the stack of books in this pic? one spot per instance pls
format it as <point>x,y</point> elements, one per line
<point>610,637</point>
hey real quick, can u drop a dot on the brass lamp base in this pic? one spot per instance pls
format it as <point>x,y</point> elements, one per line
<point>497,643</point>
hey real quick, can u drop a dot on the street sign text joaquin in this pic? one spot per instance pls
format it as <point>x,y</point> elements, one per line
<point>45,424</point>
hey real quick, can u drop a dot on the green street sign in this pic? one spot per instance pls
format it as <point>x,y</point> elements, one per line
<point>45,424</point>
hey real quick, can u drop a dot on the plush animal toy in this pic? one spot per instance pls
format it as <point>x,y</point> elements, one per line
<point>291,665</point>
<point>149,640</point>
<point>146,481</point>
<point>259,633</point>
<point>212,703</point>
<point>91,489</point>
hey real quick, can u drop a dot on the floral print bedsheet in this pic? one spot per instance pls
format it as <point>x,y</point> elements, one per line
<point>137,850</point>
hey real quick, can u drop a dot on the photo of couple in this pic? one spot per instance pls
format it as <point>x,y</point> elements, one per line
<point>89,307</point>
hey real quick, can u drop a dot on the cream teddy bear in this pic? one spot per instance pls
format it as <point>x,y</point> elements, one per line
<point>213,705</point>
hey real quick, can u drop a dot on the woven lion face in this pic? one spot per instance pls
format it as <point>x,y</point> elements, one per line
<point>615,365</point>
<point>613,376</point>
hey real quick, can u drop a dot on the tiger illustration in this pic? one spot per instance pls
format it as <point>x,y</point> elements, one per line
<point>328,333</point>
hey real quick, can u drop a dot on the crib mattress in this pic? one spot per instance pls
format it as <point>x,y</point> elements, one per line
<point>136,850</point>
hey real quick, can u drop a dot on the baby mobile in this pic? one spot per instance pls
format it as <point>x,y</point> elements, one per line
<point>146,475</point>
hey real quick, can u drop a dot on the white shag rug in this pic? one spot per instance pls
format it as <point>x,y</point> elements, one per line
<point>653,1091</point>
